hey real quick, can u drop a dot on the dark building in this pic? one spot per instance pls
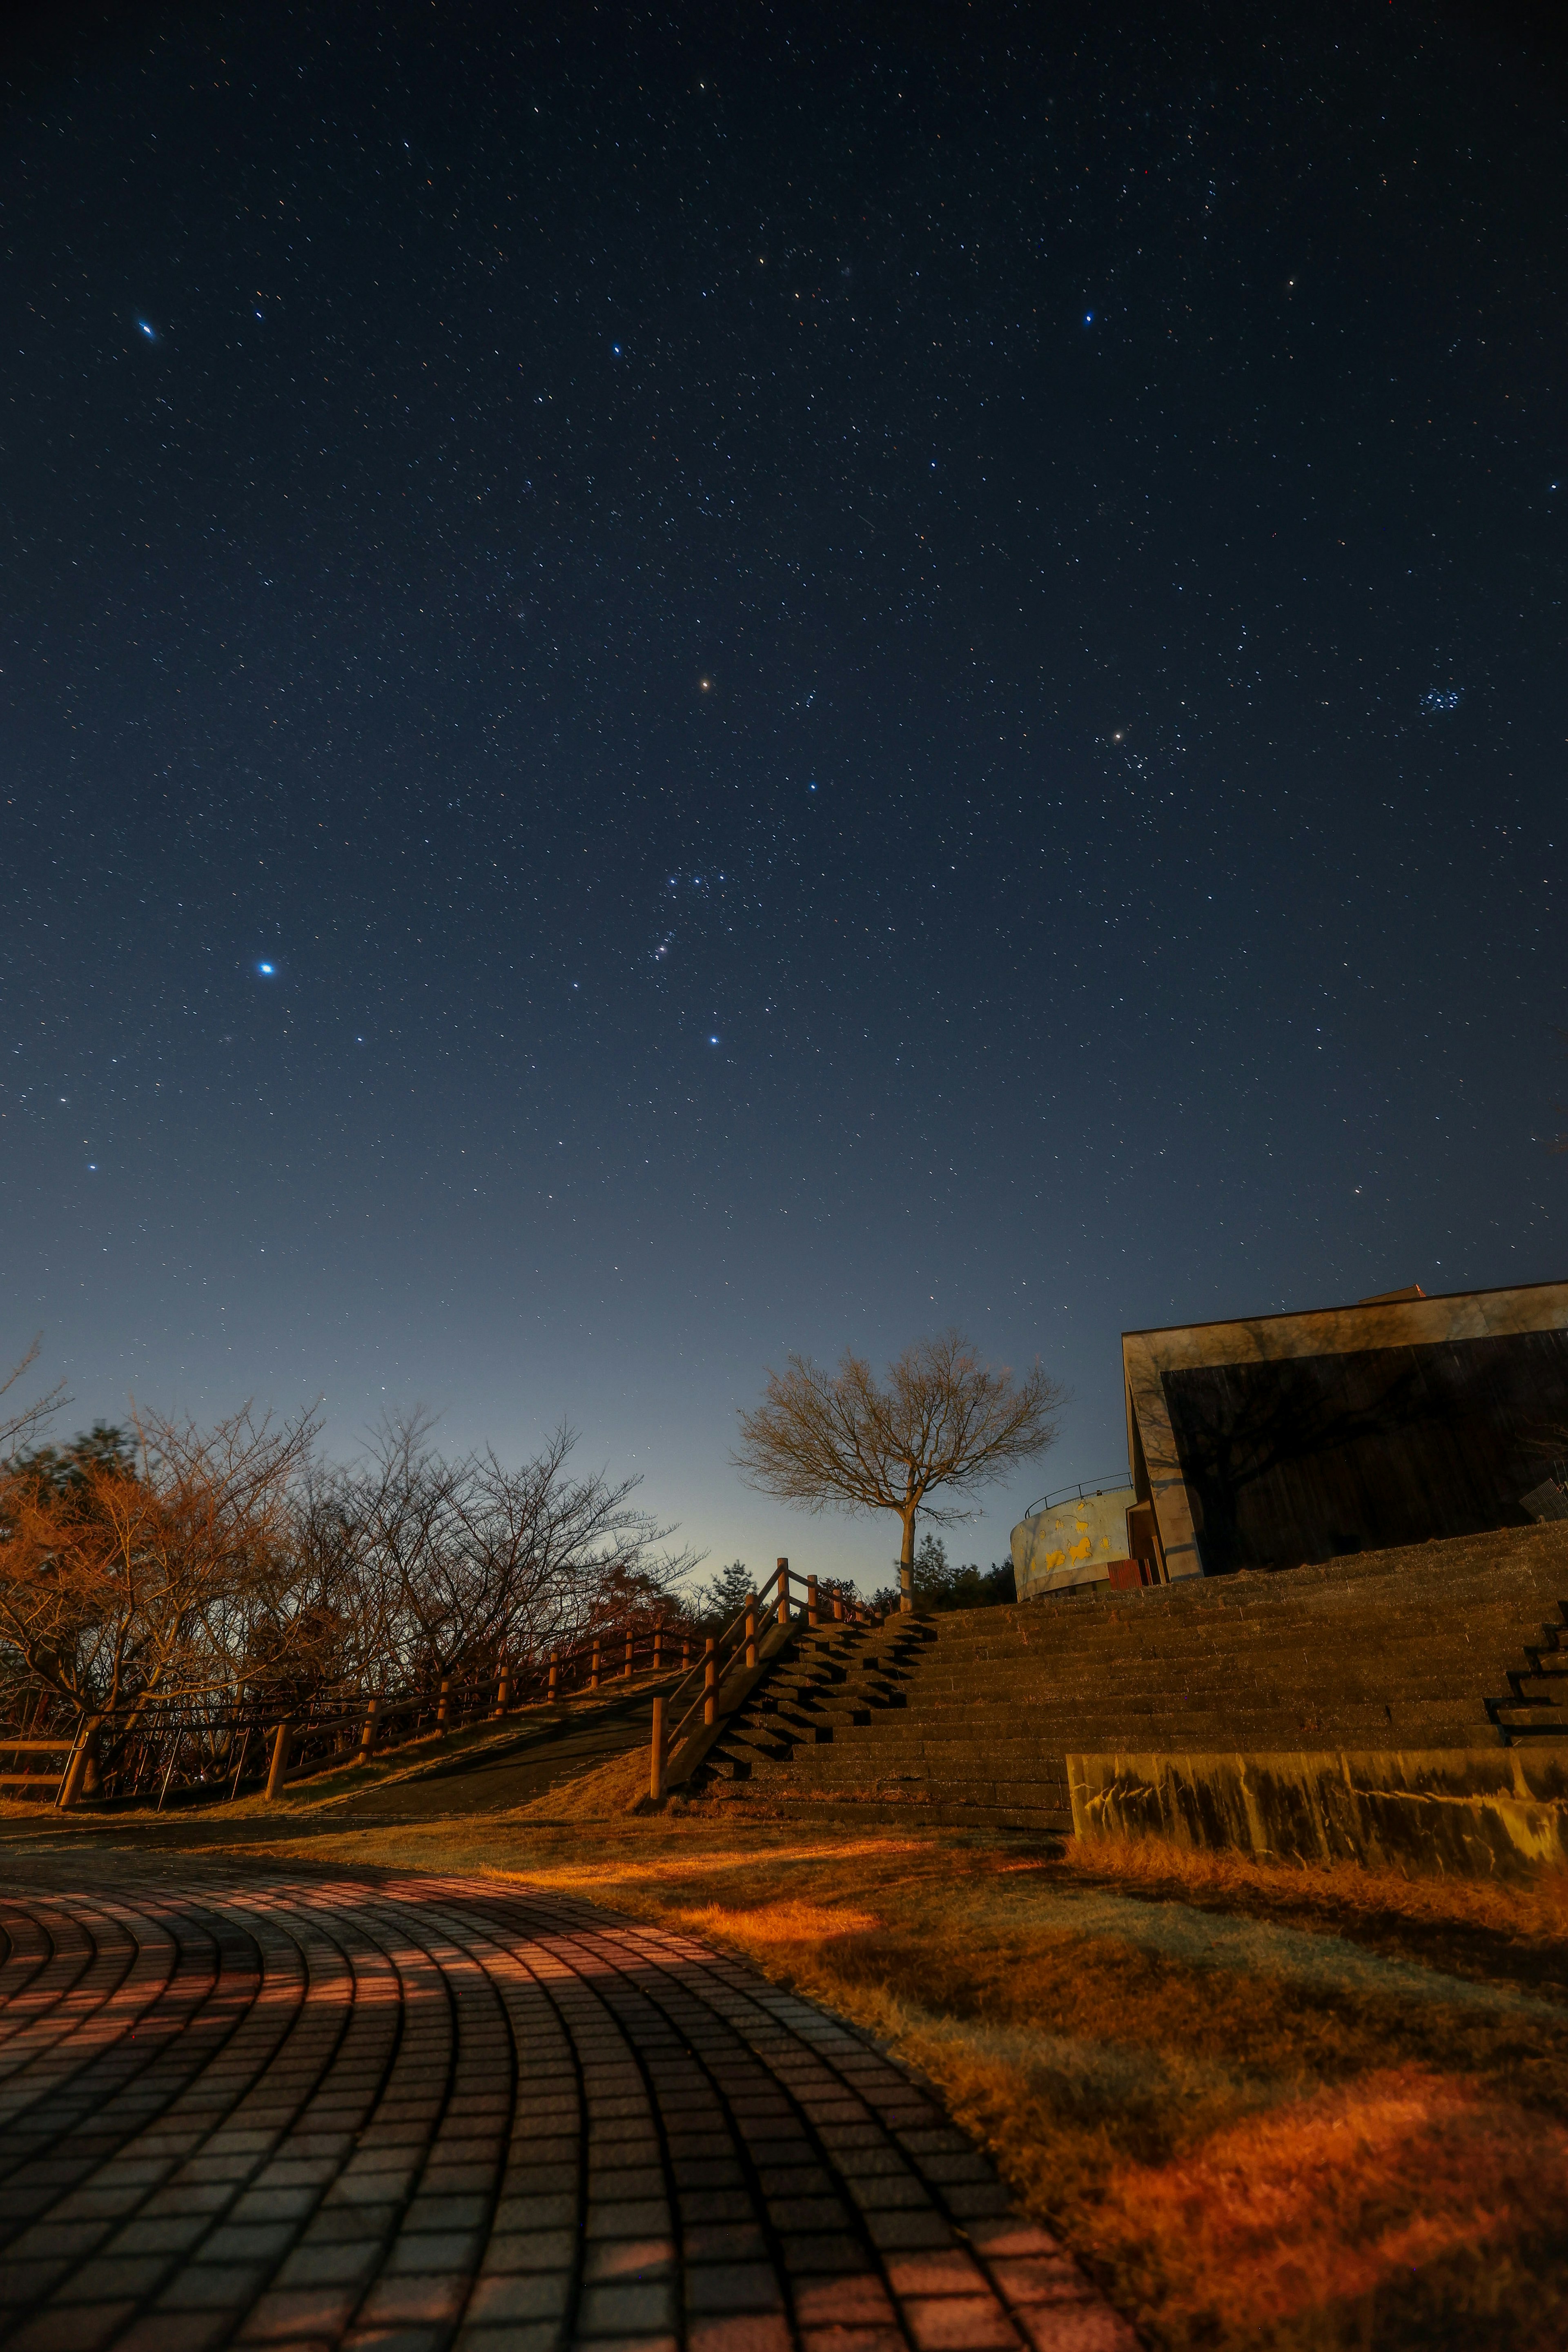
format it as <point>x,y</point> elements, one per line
<point>1302,1437</point>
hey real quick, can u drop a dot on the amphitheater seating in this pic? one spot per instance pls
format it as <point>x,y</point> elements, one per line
<point>970,1717</point>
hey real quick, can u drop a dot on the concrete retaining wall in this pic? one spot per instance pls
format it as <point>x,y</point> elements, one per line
<point>1451,1812</point>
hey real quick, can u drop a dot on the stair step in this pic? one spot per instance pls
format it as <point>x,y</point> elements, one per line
<point>978,1710</point>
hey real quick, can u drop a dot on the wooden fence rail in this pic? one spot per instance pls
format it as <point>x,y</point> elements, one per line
<point>678,1738</point>
<point>287,1743</point>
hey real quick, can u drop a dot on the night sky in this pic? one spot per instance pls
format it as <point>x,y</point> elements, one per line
<point>675,688</point>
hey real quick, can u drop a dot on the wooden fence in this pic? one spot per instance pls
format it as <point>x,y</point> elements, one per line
<point>159,1745</point>
<point>737,1655</point>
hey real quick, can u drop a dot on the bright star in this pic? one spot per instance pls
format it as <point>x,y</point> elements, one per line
<point>1089,318</point>
<point>712,1041</point>
<point>266,971</point>
<point>147,330</point>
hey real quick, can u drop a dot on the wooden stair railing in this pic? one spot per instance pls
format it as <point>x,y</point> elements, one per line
<point>740,1644</point>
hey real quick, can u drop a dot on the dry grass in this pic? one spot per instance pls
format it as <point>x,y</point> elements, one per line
<point>1538,1912</point>
<point>1248,2098</point>
<point>1271,2108</point>
<point>607,1793</point>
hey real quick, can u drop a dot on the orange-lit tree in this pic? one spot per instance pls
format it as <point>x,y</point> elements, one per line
<point>128,1575</point>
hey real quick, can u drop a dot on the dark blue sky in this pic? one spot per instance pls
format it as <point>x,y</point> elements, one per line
<point>676,689</point>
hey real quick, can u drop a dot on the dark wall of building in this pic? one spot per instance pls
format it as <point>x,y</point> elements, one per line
<point>1309,1457</point>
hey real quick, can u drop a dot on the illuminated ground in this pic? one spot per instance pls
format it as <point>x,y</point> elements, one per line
<point>249,2100</point>
<point>1265,2109</point>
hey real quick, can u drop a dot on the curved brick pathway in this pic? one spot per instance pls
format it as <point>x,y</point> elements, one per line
<point>292,2109</point>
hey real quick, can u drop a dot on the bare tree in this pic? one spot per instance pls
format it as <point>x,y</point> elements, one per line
<point>943,1425</point>
<point>138,1578</point>
<point>562,1550</point>
<point>19,1423</point>
<point>132,1576</point>
<point>457,1562</point>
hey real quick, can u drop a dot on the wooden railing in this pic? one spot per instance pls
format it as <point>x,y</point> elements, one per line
<point>220,1749</point>
<point>738,1646</point>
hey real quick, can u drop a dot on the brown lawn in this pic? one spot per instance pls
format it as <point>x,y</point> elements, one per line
<point>1265,2107</point>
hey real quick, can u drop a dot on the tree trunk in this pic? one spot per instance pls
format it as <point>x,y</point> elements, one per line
<point>907,1568</point>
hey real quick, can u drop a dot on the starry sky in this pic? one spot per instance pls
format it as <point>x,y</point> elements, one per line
<point>682,686</point>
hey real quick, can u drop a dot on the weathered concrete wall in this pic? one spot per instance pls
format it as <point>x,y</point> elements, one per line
<point>1393,1321</point>
<point>1072,1543</point>
<point>1489,1812</point>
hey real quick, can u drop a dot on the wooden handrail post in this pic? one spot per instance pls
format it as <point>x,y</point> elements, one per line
<point>280,1761</point>
<point>555,1673</point>
<point>503,1688</point>
<point>784,1593</point>
<point>76,1764</point>
<point>627,1669</point>
<point>685,1649</point>
<point>811,1617</point>
<point>710,1681</point>
<point>368,1736</point>
<point>751,1629</point>
<point>838,1608</point>
<point>656,1762</point>
<point>594,1677</point>
<point>659,1646</point>
<point>443,1701</point>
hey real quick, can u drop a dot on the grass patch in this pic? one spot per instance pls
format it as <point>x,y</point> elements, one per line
<point>1267,2106</point>
<point>1257,2128</point>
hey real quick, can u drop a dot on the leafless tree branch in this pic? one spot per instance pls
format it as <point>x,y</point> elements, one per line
<point>942,1425</point>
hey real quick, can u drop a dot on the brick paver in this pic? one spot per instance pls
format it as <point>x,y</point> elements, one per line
<point>292,2112</point>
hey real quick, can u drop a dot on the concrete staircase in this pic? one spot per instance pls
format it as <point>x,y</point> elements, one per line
<point>1535,1706</point>
<point>970,1717</point>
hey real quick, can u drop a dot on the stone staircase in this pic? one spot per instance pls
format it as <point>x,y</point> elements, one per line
<point>1535,1706</point>
<point>970,1717</point>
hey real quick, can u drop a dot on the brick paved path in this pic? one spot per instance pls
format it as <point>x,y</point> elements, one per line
<point>290,2109</point>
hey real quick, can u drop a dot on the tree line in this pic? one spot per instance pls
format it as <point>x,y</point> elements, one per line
<point>171,1563</point>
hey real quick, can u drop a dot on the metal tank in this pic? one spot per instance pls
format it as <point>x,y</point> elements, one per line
<point>1072,1535</point>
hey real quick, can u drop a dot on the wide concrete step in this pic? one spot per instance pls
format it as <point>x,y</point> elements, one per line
<point>938,1760</point>
<point>995,1712</point>
<point>1043,1718</point>
<point>1405,1610</point>
<point>1514,1716</point>
<point>1193,1641</point>
<point>1460,1651</point>
<point>1008,1726</point>
<point>1441,1646</point>
<point>1212,1690</point>
<point>1047,1823</point>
